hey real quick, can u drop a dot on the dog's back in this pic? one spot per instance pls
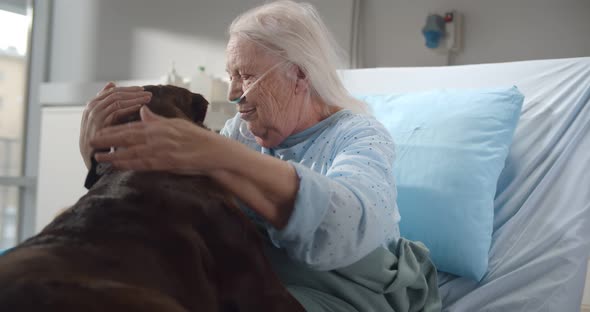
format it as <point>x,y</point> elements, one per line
<point>144,241</point>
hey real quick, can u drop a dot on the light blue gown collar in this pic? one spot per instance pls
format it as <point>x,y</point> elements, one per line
<point>308,133</point>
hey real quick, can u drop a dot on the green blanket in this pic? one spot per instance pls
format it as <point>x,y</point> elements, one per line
<point>382,281</point>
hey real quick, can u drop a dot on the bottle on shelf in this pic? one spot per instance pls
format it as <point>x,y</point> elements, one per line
<point>202,83</point>
<point>173,78</point>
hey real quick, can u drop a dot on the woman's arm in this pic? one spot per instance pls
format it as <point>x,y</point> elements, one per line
<point>264,183</point>
<point>267,185</point>
<point>348,210</point>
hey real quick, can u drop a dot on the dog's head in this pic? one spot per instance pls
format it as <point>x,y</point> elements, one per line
<point>167,101</point>
<point>173,102</point>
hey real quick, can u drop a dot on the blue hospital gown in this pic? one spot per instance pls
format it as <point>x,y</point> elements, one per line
<point>346,203</point>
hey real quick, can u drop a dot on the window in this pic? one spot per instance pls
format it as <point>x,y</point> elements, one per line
<point>14,33</point>
<point>8,216</point>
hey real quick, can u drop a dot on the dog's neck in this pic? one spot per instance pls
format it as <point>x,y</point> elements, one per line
<point>97,170</point>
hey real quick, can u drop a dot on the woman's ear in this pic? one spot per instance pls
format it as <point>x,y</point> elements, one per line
<point>302,81</point>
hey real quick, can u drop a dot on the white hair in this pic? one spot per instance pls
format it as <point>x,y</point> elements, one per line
<point>295,32</point>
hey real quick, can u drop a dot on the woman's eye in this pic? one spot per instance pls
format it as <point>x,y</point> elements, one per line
<point>233,77</point>
<point>246,77</point>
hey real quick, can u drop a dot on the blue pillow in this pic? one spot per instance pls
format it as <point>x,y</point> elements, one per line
<point>451,146</point>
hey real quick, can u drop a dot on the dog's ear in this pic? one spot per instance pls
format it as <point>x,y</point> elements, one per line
<point>199,106</point>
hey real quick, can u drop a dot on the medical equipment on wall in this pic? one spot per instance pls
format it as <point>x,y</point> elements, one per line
<point>443,33</point>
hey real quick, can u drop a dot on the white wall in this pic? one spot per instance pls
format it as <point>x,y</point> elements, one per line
<point>138,39</point>
<point>97,40</point>
<point>495,31</point>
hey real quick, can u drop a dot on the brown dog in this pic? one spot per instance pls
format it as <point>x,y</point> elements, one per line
<point>146,241</point>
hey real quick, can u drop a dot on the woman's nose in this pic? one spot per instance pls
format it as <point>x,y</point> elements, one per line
<point>235,91</point>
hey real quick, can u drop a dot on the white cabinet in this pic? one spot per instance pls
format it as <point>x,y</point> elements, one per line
<point>61,169</point>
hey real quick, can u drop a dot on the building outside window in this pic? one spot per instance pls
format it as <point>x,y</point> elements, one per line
<point>14,31</point>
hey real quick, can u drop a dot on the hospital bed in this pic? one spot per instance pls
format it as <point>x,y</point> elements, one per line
<point>541,231</point>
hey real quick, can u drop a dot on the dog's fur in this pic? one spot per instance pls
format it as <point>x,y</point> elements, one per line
<point>146,241</point>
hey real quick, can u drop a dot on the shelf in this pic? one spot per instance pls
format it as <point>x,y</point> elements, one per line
<point>63,94</point>
<point>78,93</point>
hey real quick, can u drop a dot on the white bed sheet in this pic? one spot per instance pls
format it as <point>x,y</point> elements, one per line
<point>541,240</point>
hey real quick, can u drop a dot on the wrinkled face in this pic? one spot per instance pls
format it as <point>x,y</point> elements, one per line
<point>275,107</point>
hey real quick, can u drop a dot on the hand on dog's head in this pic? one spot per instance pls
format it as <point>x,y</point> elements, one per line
<point>173,102</point>
<point>167,101</point>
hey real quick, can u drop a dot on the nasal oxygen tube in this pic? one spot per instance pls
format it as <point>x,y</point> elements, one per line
<point>241,98</point>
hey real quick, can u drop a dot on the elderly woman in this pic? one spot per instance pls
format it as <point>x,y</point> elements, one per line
<point>306,166</point>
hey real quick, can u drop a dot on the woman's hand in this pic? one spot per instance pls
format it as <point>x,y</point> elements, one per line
<point>109,105</point>
<point>162,144</point>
